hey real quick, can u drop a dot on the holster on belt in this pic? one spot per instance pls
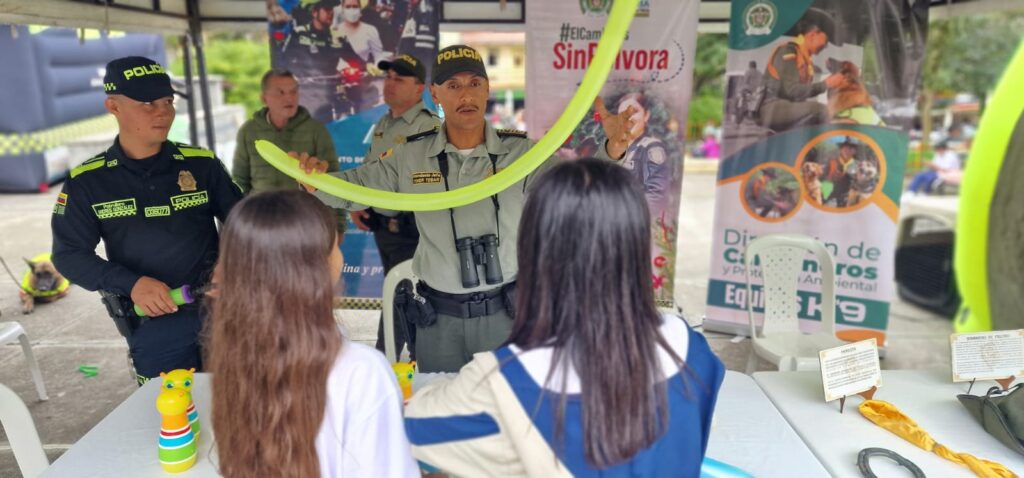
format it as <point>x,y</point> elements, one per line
<point>402,224</point>
<point>412,308</point>
<point>120,309</point>
<point>474,304</point>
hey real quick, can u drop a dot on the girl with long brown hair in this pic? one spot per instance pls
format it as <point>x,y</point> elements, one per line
<point>592,381</point>
<point>291,396</point>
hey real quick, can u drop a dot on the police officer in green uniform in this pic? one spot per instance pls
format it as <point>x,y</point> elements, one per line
<point>153,203</point>
<point>394,232</point>
<point>789,77</point>
<point>469,296</point>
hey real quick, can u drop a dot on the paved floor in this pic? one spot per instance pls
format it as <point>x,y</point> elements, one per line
<point>76,330</point>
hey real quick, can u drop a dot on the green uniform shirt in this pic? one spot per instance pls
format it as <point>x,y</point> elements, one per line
<point>790,86</point>
<point>302,134</point>
<point>412,167</point>
<point>389,132</point>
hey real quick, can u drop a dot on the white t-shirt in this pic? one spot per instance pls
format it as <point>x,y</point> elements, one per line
<point>947,160</point>
<point>365,40</point>
<point>363,433</point>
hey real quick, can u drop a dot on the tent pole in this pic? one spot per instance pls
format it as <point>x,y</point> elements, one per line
<point>193,124</point>
<point>196,31</point>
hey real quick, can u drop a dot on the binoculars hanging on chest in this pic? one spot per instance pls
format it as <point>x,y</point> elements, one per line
<point>482,251</point>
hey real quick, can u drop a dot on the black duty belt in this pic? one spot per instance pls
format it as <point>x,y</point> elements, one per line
<point>466,306</point>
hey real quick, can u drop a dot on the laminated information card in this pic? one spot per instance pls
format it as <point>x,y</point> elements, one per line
<point>987,355</point>
<point>850,369</point>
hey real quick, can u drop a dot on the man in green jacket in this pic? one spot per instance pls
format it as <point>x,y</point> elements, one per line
<point>290,127</point>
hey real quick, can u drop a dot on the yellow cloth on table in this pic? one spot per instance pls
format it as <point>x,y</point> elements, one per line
<point>887,416</point>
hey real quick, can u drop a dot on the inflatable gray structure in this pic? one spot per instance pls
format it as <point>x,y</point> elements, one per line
<point>53,93</point>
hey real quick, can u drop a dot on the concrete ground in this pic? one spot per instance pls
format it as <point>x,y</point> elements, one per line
<point>76,330</point>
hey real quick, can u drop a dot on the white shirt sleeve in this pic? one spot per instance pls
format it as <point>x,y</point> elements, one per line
<point>375,45</point>
<point>363,433</point>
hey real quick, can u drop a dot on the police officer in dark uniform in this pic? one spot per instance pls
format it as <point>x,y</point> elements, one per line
<point>789,77</point>
<point>647,156</point>
<point>153,203</point>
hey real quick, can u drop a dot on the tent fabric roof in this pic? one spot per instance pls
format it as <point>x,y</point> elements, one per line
<point>172,16</point>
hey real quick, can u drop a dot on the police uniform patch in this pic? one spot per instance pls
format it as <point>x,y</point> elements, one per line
<point>511,132</point>
<point>114,209</point>
<point>111,163</point>
<point>387,153</point>
<point>183,201</point>
<point>427,177</point>
<point>62,201</point>
<point>399,139</point>
<point>186,181</point>
<point>157,211</point>
<point>657,155</point>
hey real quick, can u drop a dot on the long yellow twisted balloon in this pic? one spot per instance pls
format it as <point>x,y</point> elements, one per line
<point>611,39</point>
<point>887,416</point>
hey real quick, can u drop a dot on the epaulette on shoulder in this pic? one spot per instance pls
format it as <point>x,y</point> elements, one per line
<point>648,141</point>
<point>421,135</point>
<point>90,164</point>
<point>505,132</point>
<point>189,151</point>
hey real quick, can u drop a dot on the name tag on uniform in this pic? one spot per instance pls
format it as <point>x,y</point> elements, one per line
<point>113,209</point>
<point>427,177</point>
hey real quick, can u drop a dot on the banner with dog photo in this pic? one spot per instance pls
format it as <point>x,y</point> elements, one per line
<point>333,47</point>
<point>652,73</point>
<point>819,97</point>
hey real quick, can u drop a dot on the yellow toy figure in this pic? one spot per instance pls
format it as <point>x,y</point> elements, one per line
<point>177,445</point>
<point>181,379</point>
<point>405,373</point>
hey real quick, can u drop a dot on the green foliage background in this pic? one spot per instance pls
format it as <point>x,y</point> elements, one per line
<point>240,58</point>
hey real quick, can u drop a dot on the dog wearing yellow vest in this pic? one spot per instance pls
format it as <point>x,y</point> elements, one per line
<point>41,283</point>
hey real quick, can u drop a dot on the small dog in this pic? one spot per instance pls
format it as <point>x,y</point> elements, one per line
<point>865,179</point>
<point>812,180</point>
<point>45,284</point>
<point>850,103</point>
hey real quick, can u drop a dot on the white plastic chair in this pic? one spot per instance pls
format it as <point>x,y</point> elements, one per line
<point>11,332</point>
<point>781,341</point>
<point>21,433</point>
<point>397,274</point>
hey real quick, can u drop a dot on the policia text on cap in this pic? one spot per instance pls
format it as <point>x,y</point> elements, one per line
<point>468,316</point>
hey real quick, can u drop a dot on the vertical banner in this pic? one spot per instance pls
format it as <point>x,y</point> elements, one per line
<point>653,73</point>
<point>332,47</point>
<point>819,96</point>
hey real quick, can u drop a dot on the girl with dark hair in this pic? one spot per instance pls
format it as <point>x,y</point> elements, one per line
<point>291,396</point>
<point>592,380</point>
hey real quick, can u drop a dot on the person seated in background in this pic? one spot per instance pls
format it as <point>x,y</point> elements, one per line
<point>291,395</point>
<point>945,163</point>
<point>710,147</point>
<point>592,380</point>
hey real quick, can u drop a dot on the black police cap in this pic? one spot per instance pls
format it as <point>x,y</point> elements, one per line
<point>457,59</point>
<point>405,65</point>
<point>138,78</point>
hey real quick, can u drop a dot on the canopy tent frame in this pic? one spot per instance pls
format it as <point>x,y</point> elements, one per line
<point>185,19</point>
